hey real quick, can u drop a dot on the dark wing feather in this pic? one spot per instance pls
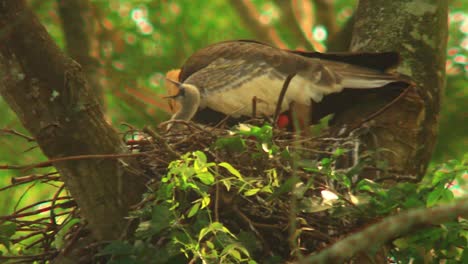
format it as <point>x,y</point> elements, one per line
<point>249,51</point>
<point>383,61</point>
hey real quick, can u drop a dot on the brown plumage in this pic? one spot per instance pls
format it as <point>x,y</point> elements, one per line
<point>222,79</point>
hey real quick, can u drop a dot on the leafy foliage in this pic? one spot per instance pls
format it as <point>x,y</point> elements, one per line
<point>181,220</point>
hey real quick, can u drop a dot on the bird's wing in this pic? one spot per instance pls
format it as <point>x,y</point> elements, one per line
<point>357,77</point>
<point>222,75</point>
<point>250,52</point>
<point>230,74</point>
<point>229,86</point>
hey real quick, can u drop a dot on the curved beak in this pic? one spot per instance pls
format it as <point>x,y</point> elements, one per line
<point>178,85</point>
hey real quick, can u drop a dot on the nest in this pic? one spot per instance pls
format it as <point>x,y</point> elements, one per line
<point>300,219</point>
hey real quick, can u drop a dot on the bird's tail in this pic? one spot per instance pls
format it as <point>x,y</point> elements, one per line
<point>358,77</point>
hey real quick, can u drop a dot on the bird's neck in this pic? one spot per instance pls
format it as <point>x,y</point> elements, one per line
<point>189,104</point>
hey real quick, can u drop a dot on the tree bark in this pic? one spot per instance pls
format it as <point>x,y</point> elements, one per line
<point>418,30</point>
<point>51,97</point>
<point>79,30</point>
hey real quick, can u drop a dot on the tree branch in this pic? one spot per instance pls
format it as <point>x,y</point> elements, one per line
<point>51,97</point>
<point>341,40</point>
<point>249,15</point>
<point>79,30</point>
<point>289,21</point>
<point>388,229</point>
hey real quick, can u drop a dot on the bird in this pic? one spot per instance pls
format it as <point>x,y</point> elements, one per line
<point>222,80</point>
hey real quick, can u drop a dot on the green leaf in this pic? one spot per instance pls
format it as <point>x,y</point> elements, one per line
<point>7,230</point>
<point>193,210</point>
<point>313,205</point>
<point>206,178</point>
<point>325,162</point>
<point>438,195</point>
<point>213,228</point>
<point>343,179</point>
<point>119,248</point>
<point>234,144</point>
<point>464,256</point>
<point>205,201</point>
<point>368,185</point>
<point>201,157</point>
<point>338,152</point>
<point>252,192</point>
<point>161,218</point>
<point>231,169</point>
<point>227,184</point>
<point>210,245</point>
<point>286,187</point>
<point>440,175</point>
<point>235,254</point>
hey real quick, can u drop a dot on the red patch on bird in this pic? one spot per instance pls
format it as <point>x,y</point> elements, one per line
<point>283,121</point>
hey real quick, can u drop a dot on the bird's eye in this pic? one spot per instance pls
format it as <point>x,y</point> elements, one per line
<point>181,92</point>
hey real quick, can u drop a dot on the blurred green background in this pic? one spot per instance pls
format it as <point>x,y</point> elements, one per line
<point>137,41</point>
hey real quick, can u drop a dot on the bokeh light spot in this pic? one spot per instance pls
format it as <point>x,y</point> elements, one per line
<point>461,59</point>
<point>145,27</point>
<point>464,43</point>
<point>118,65</point>
<point>137,15</point>
<point>108,24</point>
<point>452,51</point>
<point>175,8</point>
<point>319,33</point>
<point>130,38</point>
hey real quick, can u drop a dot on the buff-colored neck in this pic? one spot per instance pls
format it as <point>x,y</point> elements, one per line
<point>189,101</point>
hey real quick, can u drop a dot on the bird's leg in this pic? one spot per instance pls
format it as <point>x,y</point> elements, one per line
<point>254,106</point>
<point>281,97</point>
<point>300,115</point>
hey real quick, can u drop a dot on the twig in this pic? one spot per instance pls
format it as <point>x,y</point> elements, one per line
<point>16,133</point>
<point>30,258</point>
<point>383,109</point>
<point>23,195</point>
<point>70,158</point>
<point>73,239</point>
<point>388,229</point>
<point>16,181</point>
<point>33,177</point>
<point>42,210</point>
<point>249,15</point>
<point>166,146</point>
<point>40,202</point>
<point>54,200</point>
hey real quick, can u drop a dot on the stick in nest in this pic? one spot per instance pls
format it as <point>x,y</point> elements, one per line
<point>381,110</point>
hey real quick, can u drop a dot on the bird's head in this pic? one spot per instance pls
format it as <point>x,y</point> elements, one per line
<point>188,96</point>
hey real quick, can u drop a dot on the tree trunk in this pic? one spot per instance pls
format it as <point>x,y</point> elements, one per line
<point>51,97</point>
<point>418,30</point>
